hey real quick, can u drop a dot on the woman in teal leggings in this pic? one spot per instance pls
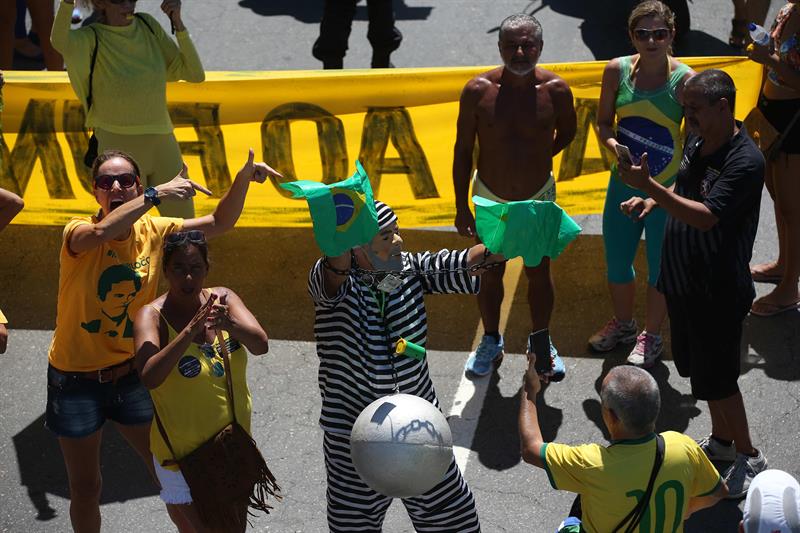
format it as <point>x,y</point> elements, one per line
<point>640,109</point>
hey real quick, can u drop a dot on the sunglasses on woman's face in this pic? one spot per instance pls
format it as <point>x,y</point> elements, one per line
<point>658,34</point>
<point>106,181</point>
<point>194,236</point>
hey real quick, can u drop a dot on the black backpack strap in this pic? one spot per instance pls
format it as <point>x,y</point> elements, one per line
<point>636,514</point>
<point>91,69</point>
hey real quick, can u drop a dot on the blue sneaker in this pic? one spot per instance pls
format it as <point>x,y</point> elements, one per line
<point>558,371</point>
<point>570,525</point>
<point>486,357</point>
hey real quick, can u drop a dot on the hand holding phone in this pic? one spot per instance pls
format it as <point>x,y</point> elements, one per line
<point>624,154</point>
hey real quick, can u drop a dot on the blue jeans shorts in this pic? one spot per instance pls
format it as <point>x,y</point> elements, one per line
<point>77,407</point>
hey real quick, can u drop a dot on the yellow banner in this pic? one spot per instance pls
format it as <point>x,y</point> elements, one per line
<point>310,125</point>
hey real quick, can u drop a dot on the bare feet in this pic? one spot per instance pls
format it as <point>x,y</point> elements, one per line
<point>776,302</point>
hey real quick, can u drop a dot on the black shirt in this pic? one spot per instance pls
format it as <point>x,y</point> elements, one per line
<point>715,262</point>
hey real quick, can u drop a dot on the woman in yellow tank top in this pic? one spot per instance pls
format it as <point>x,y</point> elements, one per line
<point>179,360</point>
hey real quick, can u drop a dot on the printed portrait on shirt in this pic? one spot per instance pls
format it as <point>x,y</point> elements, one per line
<point>116,289</point>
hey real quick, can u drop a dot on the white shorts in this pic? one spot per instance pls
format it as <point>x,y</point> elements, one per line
<point>174,489</point>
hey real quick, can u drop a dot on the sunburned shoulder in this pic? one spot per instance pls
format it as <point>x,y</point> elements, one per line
<point>483,81</point>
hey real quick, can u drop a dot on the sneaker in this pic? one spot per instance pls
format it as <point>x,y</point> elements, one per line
<point>742,472</point>
<point>648,348</point>
<point>613,333</point>
<point>558,369</point>
<point>486,357</point>
<point>715,451</point>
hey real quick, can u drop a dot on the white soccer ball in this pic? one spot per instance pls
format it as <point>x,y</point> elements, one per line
<point>401,445</point>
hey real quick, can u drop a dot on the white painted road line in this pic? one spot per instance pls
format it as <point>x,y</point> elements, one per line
<point>468,399</point>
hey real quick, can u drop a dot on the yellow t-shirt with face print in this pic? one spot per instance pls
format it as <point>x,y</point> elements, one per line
<point>100,291</point>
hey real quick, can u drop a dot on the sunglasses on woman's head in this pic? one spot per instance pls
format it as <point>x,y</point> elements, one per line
<point>659,34</point>
<point>106,181</point>
<point>194,236</point>
<point>118,2</point>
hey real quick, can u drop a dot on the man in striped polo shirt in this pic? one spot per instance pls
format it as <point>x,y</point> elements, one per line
<point>705,274</point>
<point>360,316</point>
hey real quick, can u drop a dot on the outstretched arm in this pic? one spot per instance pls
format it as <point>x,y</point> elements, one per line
<point>529,431</point>
<point>230,206</point>
<point>119,221</point>
<point>693,213</point>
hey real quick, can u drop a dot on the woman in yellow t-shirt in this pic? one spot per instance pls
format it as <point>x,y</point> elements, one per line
<point>179,360</point>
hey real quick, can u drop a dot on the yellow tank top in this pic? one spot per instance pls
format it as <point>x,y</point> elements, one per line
<point>192,402</point>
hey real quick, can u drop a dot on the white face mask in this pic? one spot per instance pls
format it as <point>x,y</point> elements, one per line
<point>395,262</point>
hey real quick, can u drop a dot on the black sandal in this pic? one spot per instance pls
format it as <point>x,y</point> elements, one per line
<point>740,34</point>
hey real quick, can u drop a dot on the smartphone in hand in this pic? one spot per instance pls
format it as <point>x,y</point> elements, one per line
<point>623,153</point>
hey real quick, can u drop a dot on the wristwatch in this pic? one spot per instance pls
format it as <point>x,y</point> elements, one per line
<point>151,195</point>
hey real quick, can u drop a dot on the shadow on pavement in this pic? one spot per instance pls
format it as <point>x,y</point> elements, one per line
<point>311,12</point>
<point>776,340</point>
<point>496,439</point>
<point>677,409</point>
<point>604,27</point>
<point>42,471</point>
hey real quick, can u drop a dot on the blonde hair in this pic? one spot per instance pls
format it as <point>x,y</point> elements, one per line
<point>651,8</point>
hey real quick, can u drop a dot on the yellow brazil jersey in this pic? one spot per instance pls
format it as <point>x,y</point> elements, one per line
<point>192,402</point>
<point>100,291</point>
<point>611,480</point>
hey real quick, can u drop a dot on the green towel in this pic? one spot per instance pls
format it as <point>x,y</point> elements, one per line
<point>343,213</point>
<point>531,229</point>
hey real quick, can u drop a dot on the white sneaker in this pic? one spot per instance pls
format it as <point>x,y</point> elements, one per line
<point>648,348</point>
<point>613,333</point>
<point>741,474</point>
<point>715,451</point>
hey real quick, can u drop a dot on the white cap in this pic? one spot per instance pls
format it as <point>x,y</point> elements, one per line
<point>772,504</point>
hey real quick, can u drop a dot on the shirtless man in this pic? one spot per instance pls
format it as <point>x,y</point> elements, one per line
<point>522,116</point>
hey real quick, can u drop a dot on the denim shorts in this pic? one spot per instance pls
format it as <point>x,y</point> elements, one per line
<point>77,407</point>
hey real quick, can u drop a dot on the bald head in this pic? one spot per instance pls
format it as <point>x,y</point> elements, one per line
<point>633,395</point>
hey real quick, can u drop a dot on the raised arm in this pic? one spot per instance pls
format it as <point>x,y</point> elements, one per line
<point>231,315</point>
<point>566,120</point>
<point>530,433</point>
<point>466,130</point>
<point>230,205</point>
<point>153,361</point>
<point>119,221</point>
<point>183,62</point>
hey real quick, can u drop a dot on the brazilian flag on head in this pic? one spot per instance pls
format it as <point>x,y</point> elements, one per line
<point>530,229</point>
<point>343,213</point>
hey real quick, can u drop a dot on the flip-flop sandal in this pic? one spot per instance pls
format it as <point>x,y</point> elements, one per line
<point>763,277</point>
<point>739,33</point>
<point>768,309</point>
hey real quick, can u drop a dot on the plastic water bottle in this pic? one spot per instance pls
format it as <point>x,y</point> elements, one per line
<point>759,35</point>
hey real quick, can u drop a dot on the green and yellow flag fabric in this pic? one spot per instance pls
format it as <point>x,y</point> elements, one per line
<point>343,213</point>
<point>530,229</point>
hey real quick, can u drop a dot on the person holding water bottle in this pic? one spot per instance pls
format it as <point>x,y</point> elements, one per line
<point>779,51</point>
<point>640,111</point>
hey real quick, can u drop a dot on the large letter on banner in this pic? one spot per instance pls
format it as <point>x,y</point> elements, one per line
<point>379,126</point>
<point>276,137</point>
<point>37,139</point>
<point>210,144</point>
